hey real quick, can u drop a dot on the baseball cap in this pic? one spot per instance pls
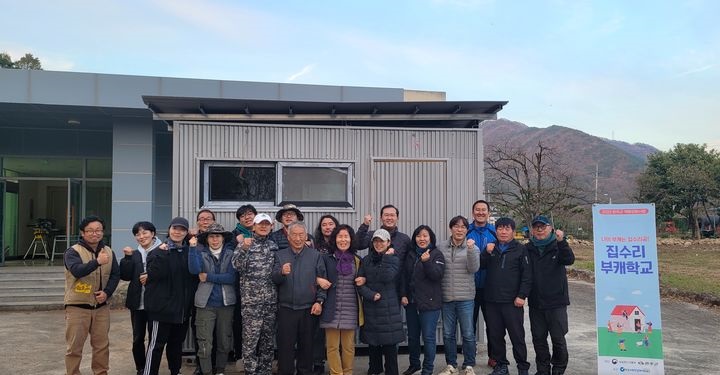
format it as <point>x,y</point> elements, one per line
<point>382,234</point>
<point>541,219</point>
<point>259,218</point>
<point>180,222</point>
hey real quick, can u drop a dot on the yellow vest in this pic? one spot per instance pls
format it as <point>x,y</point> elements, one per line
<point>82,291</point>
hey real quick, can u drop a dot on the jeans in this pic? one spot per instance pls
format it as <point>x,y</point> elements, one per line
<point>425,323</point>
<point>453,313</point>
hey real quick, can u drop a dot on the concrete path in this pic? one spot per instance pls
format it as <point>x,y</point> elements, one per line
<point>33,342</point>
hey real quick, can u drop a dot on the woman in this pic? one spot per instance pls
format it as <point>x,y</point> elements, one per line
<point>215,295</point>
<point>133,269</point>
<point>383,329</point>
<point>169,293</point>
<point>342,310</point>
<point>421,291</point>
<point>325,227</point>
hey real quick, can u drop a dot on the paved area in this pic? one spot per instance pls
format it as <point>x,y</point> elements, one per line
<point>33,342</point>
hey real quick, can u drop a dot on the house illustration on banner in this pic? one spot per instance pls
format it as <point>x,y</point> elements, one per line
<point>628,318</point>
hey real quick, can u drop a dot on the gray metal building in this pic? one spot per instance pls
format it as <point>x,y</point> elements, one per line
<point>132,148</point>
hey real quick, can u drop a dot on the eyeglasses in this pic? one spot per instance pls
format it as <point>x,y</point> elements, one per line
<point>539,227</point>
<point>96,231</point>
<point>248,214</point>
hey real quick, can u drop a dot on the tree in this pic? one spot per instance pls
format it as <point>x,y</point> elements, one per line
<point>526,184</point>
<point>28,62</point>
<point>6,61</point>
<point>684,180</point>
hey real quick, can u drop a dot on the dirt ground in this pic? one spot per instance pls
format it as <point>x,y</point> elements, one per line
<point>689,270</point>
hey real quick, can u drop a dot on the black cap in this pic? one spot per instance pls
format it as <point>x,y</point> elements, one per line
<point>180,222</point>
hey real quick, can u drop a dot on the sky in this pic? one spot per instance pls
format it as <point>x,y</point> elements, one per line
<point>636,71</point>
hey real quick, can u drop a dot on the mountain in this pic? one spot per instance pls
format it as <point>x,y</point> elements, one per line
<point>618,163</point>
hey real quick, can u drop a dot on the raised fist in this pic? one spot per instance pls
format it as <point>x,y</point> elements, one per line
<point>103,257</point>
<point>367,219</point>
<point>470,243</point>
<point>193,241</point>
<point>490,247</point>
<point>127,250</point>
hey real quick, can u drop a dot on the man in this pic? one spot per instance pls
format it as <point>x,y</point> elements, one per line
<point>458,295</point>
<point>287,215</point>
<point>299,301</point>
<point>482,233</point>
<point>549,253</point>
<point>91,276</point>
<point>204,218</point>
<point>254,259</point>
<point>245,215</point>
<point>508,283</point>
<point>389,215</point>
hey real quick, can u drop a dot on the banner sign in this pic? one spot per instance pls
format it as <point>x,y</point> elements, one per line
<point>627,290</point>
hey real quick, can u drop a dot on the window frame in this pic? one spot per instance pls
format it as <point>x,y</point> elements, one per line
<point>206,202</point>
<point>349,193</point>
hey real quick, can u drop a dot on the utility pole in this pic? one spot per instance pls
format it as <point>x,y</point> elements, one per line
<point>596,182</point>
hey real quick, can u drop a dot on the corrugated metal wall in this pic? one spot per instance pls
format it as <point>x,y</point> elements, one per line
<point>431,175</point>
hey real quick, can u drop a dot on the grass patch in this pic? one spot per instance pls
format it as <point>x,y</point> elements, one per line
<point>693,269</point>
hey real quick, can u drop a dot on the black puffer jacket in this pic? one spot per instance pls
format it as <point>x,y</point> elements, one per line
<point>383,322</point>
<point>509,273</point>
<point>421,282</point>
<point>550,284</point>
<point>170,287</point>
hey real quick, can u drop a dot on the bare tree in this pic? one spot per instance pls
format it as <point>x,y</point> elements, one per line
<point>525,184</point>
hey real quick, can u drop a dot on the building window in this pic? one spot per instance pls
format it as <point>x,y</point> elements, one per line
<point>308,184</point>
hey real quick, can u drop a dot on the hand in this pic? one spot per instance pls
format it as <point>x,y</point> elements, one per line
<point>127,250</point>
<point>323,283</point>
<point>100,296</point>
<point>193,231</point>
<point>470,243</point>
<point>519,302</point>
<point>490,247</point>
<point>367,219</point>
<point>163,246</point>
<point>390,251</point>
<point>103,258</point>
<point>404,301</point>
<point>425,256</point>
<point>360,281</point>
<point>193,241</point>
<point>202,276</point>
<point>316,309</point>
<point>559,235</point>
<point>143,278</point>
<point>376,297</point>
<point>286,268</point>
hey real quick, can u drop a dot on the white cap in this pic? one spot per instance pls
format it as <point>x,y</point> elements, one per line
<point>259,218</point>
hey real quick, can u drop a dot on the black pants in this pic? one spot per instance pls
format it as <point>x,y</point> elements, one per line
<point>503,317</point>
<point>480,306</point>
<point>140,330</point>
<point>162,333</point>
<point>555,323</point>
<point>319,352</point>
<point>237,329</point>
<point>376,354</point>
<point>295,329</point>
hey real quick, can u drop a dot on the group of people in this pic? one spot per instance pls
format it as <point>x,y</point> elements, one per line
<point>257,295</point>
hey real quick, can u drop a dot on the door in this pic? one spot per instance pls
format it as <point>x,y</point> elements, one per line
<point>8,218</point>
<point>74,211</point>
<point>417,188</point>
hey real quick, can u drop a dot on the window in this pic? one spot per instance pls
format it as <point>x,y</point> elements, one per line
<point>275,184</point>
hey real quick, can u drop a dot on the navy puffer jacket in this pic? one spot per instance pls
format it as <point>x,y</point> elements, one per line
<point>383,322</point>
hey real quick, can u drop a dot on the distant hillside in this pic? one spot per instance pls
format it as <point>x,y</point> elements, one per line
<point>619,163</point>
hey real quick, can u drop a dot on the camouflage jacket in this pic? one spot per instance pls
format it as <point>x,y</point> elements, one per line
<point>254,267</point>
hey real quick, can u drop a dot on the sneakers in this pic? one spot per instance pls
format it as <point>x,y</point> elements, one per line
<point>469,370</point>
<point>411,370</point>
<point>449,370</point>
<point>500,370</point>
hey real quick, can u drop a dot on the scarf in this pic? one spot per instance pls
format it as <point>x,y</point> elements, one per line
<point>419,251</point>
<point>542,244</point>
<point>345,262</point>
<point>242,230</point>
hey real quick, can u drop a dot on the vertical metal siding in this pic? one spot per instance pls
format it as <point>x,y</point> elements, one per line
<point>409,164</point>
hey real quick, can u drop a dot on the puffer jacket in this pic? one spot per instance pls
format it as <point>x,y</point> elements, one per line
<point>509,273</point>
<point>341,293</point>
<point>383,324</point>
<point>421,282</point>
<point>461,263</point>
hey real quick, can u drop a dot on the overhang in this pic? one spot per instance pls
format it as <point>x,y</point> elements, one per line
<point>439,114</point>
